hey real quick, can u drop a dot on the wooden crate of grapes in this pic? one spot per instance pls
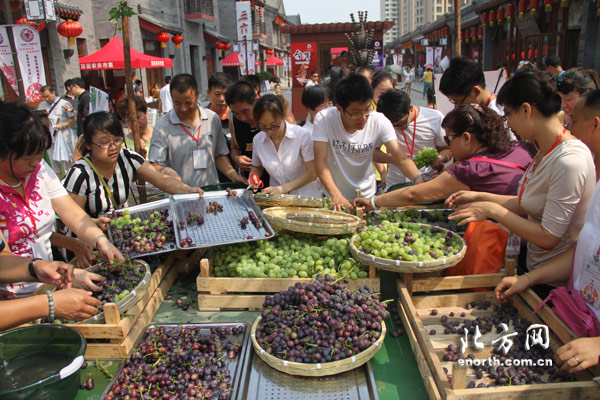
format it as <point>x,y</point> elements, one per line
<point>435,326</point>
<point>219,290</point>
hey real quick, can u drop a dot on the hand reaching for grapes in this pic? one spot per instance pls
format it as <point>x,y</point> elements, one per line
<point>102,223</point>
<point>197,190</point>
<point>438,164</point>
<point>509,286</point>
<point>74,304</point>
<point>578,354</point>
<point>108,251</point>
<point>85,280</point>
<point>54,273</point>
<point>273,190</point>
<point>474,212</point>
<point>362,202</point>
<point>83,253</point>
<point>339,202</point>
<point>460,198</point>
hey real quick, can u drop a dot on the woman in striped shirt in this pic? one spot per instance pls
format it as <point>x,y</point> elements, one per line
<point>101,180</point>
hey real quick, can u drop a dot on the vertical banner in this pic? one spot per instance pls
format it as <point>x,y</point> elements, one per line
<point>437,55</point>
<point>251,62</point>
<point>378,58</point>
<point>429,56</point>
<point>98,100</point>
<point>242,58</point>
<point>304,60</point>
<point>243,20</point>
<point>31,62</point>
<point>6,60</point>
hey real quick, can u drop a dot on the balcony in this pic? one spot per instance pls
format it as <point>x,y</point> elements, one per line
<point>199,10</point>
<point>259,30</point>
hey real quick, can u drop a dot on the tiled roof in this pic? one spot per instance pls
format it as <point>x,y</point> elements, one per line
<point>66,11</point>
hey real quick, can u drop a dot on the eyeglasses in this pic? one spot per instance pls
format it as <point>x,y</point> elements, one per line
<point>449,138</point>
<point>360,114</point>
<point>116,143</point>
<point>401,123</point>
<point>460,102</point>
<point>273,128</point>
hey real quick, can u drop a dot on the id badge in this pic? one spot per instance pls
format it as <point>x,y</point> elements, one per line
<point>199,159</point>
<point>590,280</point>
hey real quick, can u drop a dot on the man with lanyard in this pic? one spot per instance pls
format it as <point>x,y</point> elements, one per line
<point>240,98</point>
<point>60,122</point>
<point>416,128</point>
<point>189,139</point>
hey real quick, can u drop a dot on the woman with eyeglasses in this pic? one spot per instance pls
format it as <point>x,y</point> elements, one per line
<point>553,196</point>
<point>284,150</point>
<point>487,160</point>
<point>102,179</point>
<point>31,196</point>
<point>572,84</point>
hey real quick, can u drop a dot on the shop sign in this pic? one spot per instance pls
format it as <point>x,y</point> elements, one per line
<point>304,60</point>
<point>243,20</point>
<point>528,26</point>
<point>40,10</point>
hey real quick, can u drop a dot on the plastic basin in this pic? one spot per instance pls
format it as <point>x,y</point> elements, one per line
<point>40,362</point>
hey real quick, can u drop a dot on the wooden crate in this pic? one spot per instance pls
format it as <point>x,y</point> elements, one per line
<point>415,310</point>
<point>249,293</point>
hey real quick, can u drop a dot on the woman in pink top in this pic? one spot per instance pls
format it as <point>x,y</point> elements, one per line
<point>31,194</point>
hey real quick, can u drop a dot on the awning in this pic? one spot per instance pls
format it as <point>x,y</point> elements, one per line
<point>215,37</point>
<point>274,61</point>
<point>407,45</point>
<point>231,60</point>
<point>154,26</point>
<point>111,57</point>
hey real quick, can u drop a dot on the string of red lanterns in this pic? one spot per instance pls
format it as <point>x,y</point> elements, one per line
<point>70,29</point>
<point>24,21</point>
<point>163,38</point>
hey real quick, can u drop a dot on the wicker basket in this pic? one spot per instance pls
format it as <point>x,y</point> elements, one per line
<point>287,200</point>
<point>409,266</point>
<point>312,220</point>
<point>320,369</point>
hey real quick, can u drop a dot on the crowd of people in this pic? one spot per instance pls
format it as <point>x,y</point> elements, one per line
<point>524,158</point>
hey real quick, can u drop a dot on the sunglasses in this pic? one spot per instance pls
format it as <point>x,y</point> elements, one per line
<point>449,138</point>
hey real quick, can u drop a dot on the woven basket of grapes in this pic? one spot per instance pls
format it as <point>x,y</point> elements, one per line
<point>408,247</point>
<point>310,330</point>
<point>287,200</point>
<point>312,220</point>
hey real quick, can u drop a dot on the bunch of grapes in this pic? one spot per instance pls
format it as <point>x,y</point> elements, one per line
<point>214,208</point>
<point>244,222</point>
<point>432,217</point>
<point>425,157</point>
<point>320,322</point>
<point>254,219</point>
<point>119,281</point>
<point>231,193</point>
<point>498,375</point>
<point>180,362</point>
<point>407,242</point>
<point>329,206</point>
<point>194,218</point>
<point>287,256</point>
<point>133,236</point>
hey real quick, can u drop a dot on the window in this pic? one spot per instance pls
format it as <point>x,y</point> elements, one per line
<point>438,9</point>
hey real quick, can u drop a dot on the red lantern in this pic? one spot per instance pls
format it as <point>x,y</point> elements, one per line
<point>177,39</point>
<point>467,35</point>
<point>510,12</point>
<point>220,46</point>
<point>484,19</point>
<point>500,15</point>
<point>227,47</point>
<point>24,21</point>
<point>479,32</point>
<point>522,8</point>
<point>269,52</point>
<point>534,4</point>
<point>70,29</point>
<point>492,18</point>
<point>548,5</point>
<point>163,38</point>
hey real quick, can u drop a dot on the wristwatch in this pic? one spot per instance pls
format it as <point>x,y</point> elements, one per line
<point>32,269</point>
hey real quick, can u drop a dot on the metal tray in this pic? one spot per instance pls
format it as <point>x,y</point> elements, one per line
<point>260,381</point>
<point>144,211</point>
<point>223,228</point>
<point>236,366</point>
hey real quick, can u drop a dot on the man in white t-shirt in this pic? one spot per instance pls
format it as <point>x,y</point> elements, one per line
<point>346,141</point>
<point>165,96</point>
<point>408,119</point>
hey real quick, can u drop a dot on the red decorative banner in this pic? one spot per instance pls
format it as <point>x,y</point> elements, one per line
<point>304,60</point>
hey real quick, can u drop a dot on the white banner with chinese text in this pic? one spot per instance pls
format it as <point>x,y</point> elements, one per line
<point>6,60</point>
<point>31,61</point>
<point>244,21</point>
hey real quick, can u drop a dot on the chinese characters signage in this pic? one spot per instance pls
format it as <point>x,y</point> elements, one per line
<point>535,334</point>
<point>35,10</point>
<point>243,18</point>
<point>304,60</point>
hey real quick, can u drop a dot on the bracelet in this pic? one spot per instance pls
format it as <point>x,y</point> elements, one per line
<point>98,238</point>
<point>32,269</point>
<point>414,179</point>
<point>373,206</point>
<point>51,315</point>
<point>530,280</point>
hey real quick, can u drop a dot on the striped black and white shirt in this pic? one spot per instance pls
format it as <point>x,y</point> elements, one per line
<point>81,180</point>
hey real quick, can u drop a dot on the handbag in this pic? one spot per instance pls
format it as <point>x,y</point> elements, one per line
<point>573,310</point>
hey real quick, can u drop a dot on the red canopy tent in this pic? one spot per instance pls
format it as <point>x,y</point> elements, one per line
<point>233,60</point>
<point>274,61</point>
<point>111,56</point>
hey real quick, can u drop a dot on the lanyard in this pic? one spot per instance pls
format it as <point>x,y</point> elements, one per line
<point>25,199</point>
<point>412,148</point>
<point>533,162</point>
<point>489,100</point>
<point>196,139</point>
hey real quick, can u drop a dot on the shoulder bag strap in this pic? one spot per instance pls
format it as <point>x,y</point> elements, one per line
<point>499,162</point>
<point>112,198</point>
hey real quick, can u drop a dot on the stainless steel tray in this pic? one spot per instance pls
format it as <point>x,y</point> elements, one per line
<point>143,211</point>
<point>235,366</point>
<point>223,228</point>
<point>260,381</point>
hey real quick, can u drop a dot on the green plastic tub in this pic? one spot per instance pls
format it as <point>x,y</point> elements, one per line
<point>40,362</point>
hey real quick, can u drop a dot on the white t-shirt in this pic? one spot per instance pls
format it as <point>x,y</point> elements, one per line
<point>351,154</point>
<point>586,263</point>
<point>407,76</point>
<point>165,98</point>
<point>557,195</point>
<point>286,163</point>
<point>429,134</point>
<point>308,125</point>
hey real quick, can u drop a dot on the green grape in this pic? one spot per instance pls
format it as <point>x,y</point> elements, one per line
<point>425,157</point>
